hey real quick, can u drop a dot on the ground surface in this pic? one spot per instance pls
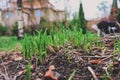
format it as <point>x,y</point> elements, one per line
<point>100,63</point>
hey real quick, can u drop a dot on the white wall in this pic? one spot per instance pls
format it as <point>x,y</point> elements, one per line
<point>72,7</point>
<point>90,7</point>
<point>4,4</point>
<point>118,3</point>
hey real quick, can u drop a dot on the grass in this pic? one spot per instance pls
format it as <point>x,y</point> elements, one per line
<point>71,76</point>
<point>8,43</point>
<point>28,76</point>
<point>36,45</point>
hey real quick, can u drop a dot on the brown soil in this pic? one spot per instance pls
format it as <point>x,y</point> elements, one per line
<point>100,63</point>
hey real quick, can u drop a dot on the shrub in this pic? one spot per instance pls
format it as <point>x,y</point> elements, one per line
<point>118,16</point>
<point>15,29</point>
<point>74,22</point>
<point>3,30</point>
<point>48,26</point>
<point>45,25</point>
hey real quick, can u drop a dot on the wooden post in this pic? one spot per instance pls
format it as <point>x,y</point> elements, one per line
<point>20,20</point>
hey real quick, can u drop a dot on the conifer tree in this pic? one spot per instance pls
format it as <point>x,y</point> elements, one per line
<point>118,16</point>
<point>82,22</point>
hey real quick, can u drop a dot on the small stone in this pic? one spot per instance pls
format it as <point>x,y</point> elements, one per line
<point>40,74</point>
<point>38,79</point>
<point>33,74</point>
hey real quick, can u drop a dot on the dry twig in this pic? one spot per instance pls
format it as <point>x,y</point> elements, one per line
<point>92,72</point>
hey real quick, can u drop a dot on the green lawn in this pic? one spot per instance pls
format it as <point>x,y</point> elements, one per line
<point>8,43</point>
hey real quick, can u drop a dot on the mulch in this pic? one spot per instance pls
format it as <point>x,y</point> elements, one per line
<point>98,64</point>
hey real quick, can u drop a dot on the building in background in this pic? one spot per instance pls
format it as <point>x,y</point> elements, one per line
<point>32,12</point>
<point>52,10</point>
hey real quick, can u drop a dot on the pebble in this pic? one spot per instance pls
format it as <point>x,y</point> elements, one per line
<point>38,79</point>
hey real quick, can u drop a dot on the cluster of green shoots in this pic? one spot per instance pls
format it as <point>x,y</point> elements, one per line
<point>36,45</point>
<point>118,46</point>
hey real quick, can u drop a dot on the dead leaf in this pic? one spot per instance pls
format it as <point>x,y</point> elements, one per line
<point>115,63</point>
<point>109,45</point>
<point>96,61</point>
<point>51,49</point>
<point>50,73</point>
<point>111,79</point>
<point>15,56</point>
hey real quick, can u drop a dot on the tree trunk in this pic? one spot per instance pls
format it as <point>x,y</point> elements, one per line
<point>20,20</point>
<point>0,15</point>
<point>66,12</point>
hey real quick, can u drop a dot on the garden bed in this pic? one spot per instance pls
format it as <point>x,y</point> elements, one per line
<point>71,62</point>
